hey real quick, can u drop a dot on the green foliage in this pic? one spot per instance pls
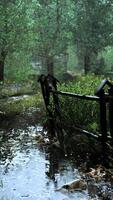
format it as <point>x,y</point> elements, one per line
<point>18,67</point>
<point>14,22</point>
<point>16,36</point>
<point>16,89</point>
<point>93,28</point>
<point>53,20</point>
<point>78,112</point>
<point>49,29</point>
<point>72,59</point>
<point>85,85</point>
<point>20,106</point>
<point>108,57</point>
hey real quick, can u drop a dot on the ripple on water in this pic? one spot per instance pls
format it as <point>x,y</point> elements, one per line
<point>25,174</point>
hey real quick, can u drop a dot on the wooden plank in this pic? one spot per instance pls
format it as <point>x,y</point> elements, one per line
<point>79,96</point>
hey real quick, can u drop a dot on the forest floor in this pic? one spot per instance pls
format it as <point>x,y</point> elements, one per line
<point>26,161</point>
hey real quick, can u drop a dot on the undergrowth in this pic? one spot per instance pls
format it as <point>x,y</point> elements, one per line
<point>78,112</point>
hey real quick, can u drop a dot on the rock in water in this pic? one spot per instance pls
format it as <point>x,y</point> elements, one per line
<point>79,184</point>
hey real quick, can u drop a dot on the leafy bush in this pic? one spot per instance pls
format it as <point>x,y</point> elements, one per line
<point>19,106</point>
<point>86,85</point>
<point>79,112</point>
<point>18,68</point>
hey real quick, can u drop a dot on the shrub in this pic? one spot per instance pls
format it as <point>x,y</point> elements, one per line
<point>78,112</point>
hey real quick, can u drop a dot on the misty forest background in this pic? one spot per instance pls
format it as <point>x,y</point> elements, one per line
<point>56,37</point>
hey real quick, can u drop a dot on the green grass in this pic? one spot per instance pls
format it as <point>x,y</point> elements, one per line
<point>77,112</point>
<point>86,85</point>
<point>21,105</point>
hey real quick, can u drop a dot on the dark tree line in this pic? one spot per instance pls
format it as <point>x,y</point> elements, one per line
<point>48,28</point>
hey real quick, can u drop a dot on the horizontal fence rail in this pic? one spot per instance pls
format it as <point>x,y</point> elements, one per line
<point>104,100</point>
<point>79,96</point>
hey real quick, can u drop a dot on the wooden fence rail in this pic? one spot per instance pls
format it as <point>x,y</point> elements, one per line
<point>49,87</point>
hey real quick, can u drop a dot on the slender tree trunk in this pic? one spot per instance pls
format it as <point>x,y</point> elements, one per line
<point>80,56</point>
<point>66,62</point>
<point>1,70</point>
<point>2,62</point>
<point>87,64</point>
<point>50,65</point>
<point>43,67</point>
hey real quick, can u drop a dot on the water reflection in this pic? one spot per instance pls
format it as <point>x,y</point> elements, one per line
<point>33,172</point>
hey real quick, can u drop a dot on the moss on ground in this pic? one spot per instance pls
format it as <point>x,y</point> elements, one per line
<point>22,105</point>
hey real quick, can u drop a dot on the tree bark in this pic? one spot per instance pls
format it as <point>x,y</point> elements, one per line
<point>2,62</point>
<point>65,62</point>
<point>87,64</point>
<point>44,66</point>
<point>50,66</point>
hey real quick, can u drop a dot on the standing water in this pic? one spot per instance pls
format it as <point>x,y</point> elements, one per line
<point>29,171</point>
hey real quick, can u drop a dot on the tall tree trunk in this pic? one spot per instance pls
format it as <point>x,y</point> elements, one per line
<point>66,56</point>
<point>50,65</point>
<point>80,55</point>
<point>1,70</point>
<point>87,64</point>
<point>2,62</point>
<point>44,66</point>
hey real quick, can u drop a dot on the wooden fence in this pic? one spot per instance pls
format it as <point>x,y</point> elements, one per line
<point>49,89</point>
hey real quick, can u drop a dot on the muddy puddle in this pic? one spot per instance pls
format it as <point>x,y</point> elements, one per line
<point>29,171</point>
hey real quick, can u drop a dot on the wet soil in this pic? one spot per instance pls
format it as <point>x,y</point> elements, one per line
<point>29,171</point>
<point>33,171</point>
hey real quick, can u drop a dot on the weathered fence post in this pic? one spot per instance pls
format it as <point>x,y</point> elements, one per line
<point>45,89</point>
<point>55,118</point>
<point>103,122</point>
<point>111,112</point>
<point>57,114</point>
<point>49,87</point>
<point>44,82</point>
<point>58,120</point>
